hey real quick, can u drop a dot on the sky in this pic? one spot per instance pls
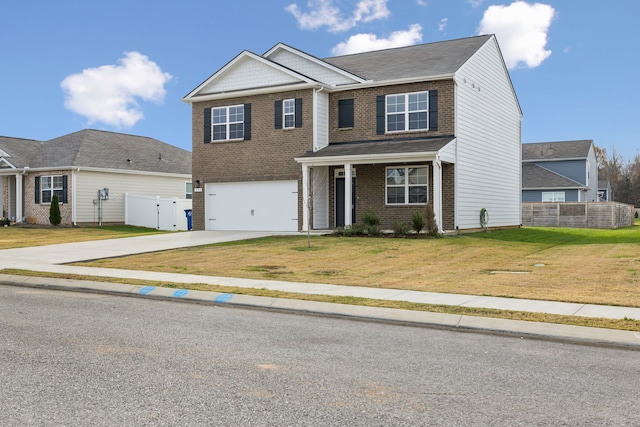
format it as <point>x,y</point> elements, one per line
<point>124,65</point>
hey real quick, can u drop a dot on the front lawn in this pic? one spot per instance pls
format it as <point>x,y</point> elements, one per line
<point>577,265</point>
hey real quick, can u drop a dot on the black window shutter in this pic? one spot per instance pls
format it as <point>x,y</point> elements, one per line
<point>207,125</point>
<point>64,189</point>
<point>433,110</point>
<point>380,116</point>
<point>247,122</point>
<point>277,108</point>
<point>345,113</point>
<point>37,185</point>
<point>298,103</point>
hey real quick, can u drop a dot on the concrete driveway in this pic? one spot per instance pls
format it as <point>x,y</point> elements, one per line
<point>97,249</point>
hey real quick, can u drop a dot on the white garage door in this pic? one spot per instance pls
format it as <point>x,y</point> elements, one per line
<point>252,206</point>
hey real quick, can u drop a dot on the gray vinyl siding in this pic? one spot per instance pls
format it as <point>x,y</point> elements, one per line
<point>536,195</point>
<point>572,169</point>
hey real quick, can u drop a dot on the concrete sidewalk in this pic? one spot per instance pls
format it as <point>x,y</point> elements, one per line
<point>40,259</point>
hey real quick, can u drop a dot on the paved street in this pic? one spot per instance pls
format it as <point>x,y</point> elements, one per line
<point>70,358</point>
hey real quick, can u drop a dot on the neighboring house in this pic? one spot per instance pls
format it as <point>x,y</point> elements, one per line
<point>604,190</point>
<point>564,171</point>
<point>275,136</point>
<point>79,167</point>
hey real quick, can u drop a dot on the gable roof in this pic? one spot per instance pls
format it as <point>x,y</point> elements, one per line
<point>17,151</point>
<point>416,61</point>
<point>98,149</point>
<point>561,150</point>
<point>285,68</point>
<point>537,177</point>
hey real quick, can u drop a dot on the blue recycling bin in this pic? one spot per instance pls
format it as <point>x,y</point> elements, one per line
<point>189,214</point>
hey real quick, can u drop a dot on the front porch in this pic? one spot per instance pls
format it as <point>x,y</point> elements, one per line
<point>393,179</point>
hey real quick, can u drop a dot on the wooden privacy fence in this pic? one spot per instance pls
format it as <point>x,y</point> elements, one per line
<point>578,215</point>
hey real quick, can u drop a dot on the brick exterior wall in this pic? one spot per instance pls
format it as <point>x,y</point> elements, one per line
<point>270,152</point>
<point>364,111</point>
<point>448,196</point>
<point>268,155</point>
<point>39,213</point>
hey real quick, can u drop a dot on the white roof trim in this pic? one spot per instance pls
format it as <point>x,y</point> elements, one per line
<point>368,158</point>
<point>245,54</point>
<point>6,162</point>
<point>313,59</point>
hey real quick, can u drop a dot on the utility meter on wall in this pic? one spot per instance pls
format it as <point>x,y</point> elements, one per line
<point>104,194</point>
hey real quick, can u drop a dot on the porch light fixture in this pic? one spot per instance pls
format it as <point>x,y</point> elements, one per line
<point>197,183</point>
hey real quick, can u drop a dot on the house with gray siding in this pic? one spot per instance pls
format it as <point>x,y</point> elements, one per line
<point>563,171</point>
<point>286,141</point>
<point>90,172</point>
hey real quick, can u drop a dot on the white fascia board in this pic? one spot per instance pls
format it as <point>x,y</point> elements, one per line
<point>371,83</point>
<point>244,54</point>
<point>7,162</point>
<point>90,169</point>
<point>256,91</point>
<point>313,59</point>
<point>553,160</point>
<point>368,159</point>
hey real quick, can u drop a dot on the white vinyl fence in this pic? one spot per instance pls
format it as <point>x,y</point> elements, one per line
<point>156,212</point>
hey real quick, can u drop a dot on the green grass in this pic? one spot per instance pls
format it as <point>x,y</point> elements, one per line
<point>564,236</point>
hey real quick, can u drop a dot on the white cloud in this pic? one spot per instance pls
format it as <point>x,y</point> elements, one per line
<point>109,94</point>
<point>521,29</point>
<point>475,3</point>
<point>421,2</point>
<point>325,14</point>
<point>367,42</point>
<point>443,24</point>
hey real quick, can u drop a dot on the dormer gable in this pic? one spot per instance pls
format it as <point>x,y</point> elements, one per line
<point>311,66</point>
<point>248,72</point>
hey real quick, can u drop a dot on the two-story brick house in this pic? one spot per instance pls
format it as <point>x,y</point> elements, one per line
<point>275,135</point>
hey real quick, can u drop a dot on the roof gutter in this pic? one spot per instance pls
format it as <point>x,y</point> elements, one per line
<point>367,158</point>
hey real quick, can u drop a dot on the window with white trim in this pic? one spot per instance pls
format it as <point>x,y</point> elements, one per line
<point>553,196</point>
<point>227,122</point>
<point>407,185</point>
<point>289,113</point>
<point>50,185</point>
<point>407,111</point>
<point>188,191</point>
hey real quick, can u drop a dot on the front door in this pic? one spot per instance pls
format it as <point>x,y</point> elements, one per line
<point>340,201</point>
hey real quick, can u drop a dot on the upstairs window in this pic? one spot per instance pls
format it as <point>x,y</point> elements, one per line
<point>227,123</point>
<point>405,112</point>
<point>288,113</point>
<point>345,113</point>
<point>407,185</point>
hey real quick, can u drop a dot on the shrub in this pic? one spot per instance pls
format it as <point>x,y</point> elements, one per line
<point>417,222</point>
<point>54,211</point>
<point>371,223</point>
<point>353,230</point>
<point>431,224</point>
<point>400,229</point>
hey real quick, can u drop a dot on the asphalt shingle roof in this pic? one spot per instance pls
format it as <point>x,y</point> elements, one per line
<point>535,176</point>
<point>423,60</point>
<point>556,150</point>
<point>381,147</point>
<point>99,149</point>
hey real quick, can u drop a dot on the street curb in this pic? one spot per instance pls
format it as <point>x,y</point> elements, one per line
<point>462,323</point>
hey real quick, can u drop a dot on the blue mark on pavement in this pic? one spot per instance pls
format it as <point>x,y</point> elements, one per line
<point>180,293</point>
<point>146,290</point>
<point>223,297</point>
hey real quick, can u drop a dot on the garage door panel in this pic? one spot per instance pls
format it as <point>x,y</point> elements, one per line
<point>252,206</point>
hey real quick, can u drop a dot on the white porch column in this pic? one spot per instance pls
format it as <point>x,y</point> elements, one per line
<point>19,197</point>
<point>347,194</point>
<point>305,197</point>
<point>437,192</point>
